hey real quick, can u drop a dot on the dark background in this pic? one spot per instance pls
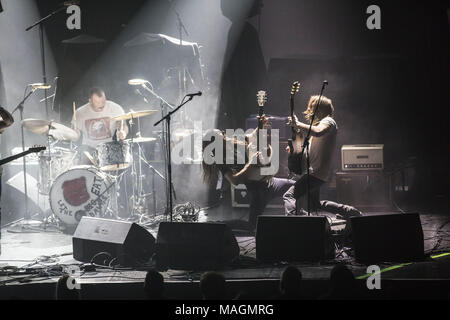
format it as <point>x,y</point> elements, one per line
<point>389,86</point>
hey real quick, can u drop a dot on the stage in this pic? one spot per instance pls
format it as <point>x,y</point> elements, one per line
<point>32,262</point>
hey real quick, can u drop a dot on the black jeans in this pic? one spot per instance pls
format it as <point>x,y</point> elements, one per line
<point>261,192</point>
<point>293,205</point>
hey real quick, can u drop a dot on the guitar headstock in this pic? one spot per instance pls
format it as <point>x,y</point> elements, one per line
<point>36,149</point>
<point>295,88</point>
<point>261,98</point>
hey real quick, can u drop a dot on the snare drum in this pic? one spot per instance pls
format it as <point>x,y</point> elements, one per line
<point>114,155</point>
<point>81,191</point>
<point>52,165</point>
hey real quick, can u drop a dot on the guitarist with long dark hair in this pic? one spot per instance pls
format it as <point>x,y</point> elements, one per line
<point>261,188</point>
<point>6,119</point>
<point>321,148</point>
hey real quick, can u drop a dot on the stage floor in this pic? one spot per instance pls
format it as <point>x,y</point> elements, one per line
<point>49,250</point>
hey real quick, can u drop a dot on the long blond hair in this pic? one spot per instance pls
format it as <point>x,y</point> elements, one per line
<point>326,109</point>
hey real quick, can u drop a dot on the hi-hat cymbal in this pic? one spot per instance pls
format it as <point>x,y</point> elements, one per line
<point>134,115</point>
<point>141,139</point>
<point>181,133</point>
<point>50,128</point>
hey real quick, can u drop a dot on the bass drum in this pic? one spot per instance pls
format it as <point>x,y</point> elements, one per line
<point>52,165</point>
<point>81,191</point>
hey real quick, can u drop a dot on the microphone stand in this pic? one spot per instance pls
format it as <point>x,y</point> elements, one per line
<point>166,144</point>
<point>42,44</point>
<point>167,118</point>
<point>306,144</point>
<point>20,107</point>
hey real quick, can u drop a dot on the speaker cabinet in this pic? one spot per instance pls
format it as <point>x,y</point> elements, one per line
<point>127,242</point>
<point>368,190</point>
<point>296,238</point>
<point>393,237</point>
<point>195,246</point>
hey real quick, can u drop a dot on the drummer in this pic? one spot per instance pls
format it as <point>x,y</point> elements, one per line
<point>93,121</point>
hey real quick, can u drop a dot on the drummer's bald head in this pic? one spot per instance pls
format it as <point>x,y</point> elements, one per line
<point>97,91</point>
<point>97,99</point>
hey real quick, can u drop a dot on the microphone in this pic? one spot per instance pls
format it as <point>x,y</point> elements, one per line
<point>325,82</point>
<point>35,86</point>
<point>137,82</point>
<point>190,95</point>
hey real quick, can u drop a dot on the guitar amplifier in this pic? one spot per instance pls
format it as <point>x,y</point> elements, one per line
<point>362,157</point>
<point>366,190</point>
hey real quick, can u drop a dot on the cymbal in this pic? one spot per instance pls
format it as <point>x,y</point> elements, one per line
<point>54,129</point>
<point>141,139</point>
<point>181,133</point>
<point>134,114</point>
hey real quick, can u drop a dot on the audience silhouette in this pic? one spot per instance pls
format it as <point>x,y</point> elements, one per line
<point>213,286</point>
<point>342,284</point>
<point>154,285</point>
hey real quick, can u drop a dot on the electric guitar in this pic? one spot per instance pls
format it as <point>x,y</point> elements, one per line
<point>261,99</point>
<point>255,170</point>
<point>296,141</point>
<point>22,154</point>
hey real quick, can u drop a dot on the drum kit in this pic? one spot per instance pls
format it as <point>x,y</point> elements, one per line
<point>76,190</point>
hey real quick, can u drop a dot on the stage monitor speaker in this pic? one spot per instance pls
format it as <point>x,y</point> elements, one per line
<point>393,237</point>
<point>293,239</point>
<point>195,246</point>
<point>128,243</point>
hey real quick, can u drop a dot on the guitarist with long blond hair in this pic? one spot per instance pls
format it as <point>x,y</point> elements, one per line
<point>321,148</point>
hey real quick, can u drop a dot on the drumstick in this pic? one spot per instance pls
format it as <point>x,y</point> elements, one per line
<point>74,116</point>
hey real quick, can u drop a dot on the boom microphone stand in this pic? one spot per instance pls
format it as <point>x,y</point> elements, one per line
<point>40,23</point>
<point>170,190</point>
<point>306,144</point>
<point>167,118</point>
<point>165,142</point>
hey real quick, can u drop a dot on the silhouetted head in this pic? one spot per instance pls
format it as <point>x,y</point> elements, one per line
<point>63,291</point>
<point>154,284</point>
<point>212,286</point>
<point>290,281</point>
<point>341,278</point>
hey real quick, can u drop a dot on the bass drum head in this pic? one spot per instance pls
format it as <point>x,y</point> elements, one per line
<point>80,191</point>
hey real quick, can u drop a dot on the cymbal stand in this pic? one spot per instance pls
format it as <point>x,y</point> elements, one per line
<point>25,224</point>
<point>52,217</point>
<point>154,172</point>
<point>113,204</point>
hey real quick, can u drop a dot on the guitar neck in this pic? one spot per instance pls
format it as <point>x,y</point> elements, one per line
<point>294,133</point>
